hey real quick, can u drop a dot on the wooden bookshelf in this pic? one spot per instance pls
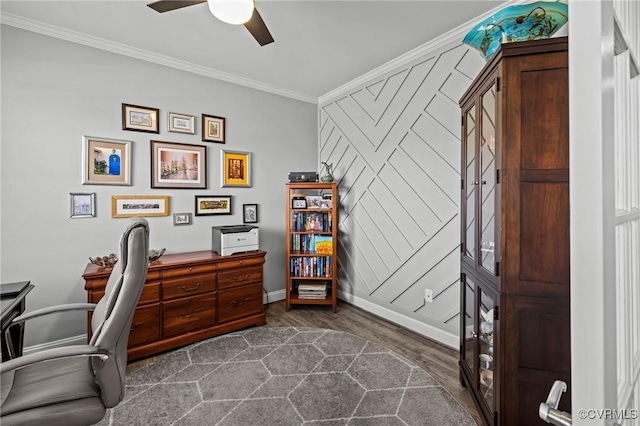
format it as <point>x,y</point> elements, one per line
<point>311,244</point>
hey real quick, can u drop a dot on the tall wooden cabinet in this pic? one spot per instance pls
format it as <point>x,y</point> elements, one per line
<point>515,321</point>
<point>311,244</point>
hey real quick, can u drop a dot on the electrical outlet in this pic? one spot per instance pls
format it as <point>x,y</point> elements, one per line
<point>428,295</point>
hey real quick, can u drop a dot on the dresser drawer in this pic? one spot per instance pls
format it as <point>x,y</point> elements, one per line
<point>188,270</point>
<point>150,293</point>
<point>239,277</point>
<point>145,326</point>
<point>185,315</point>
<point>239,302</point>
<point>188,285</point>
<point>238,263</point>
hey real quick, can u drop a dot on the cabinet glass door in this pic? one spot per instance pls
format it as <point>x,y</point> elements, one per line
<point>469,324</point>
<point>469,237</point>
<point>486,328</point>
<point>487,180</point>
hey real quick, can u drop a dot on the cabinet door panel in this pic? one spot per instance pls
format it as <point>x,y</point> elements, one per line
<point>487,180</point>
<point>470,160</point>
<point>469,323</point>
<point>486,354</point>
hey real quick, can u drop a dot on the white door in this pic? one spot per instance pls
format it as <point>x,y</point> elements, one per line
<point>605,212</point>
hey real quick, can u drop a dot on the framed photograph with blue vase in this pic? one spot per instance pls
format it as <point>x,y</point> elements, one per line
<point>105,161</point>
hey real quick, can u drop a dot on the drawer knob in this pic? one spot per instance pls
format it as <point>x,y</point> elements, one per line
<point>195,314</point>
<point>235,303</point>
<point>136,325</point>
<point>246,277</point>
<point>191,288</point>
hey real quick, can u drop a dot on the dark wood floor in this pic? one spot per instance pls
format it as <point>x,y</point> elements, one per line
<point>439,360</point>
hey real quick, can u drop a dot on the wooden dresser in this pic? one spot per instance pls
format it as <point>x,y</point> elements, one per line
<point>189,297</point>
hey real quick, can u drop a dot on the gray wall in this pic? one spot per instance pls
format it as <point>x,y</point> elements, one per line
<point>54,92</point>
<point>394,141</point>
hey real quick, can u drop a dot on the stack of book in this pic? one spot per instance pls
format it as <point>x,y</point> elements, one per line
<point>312,291</point>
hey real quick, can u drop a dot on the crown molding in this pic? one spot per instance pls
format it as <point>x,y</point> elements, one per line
<point>454,35</point>
<point>145,55</point>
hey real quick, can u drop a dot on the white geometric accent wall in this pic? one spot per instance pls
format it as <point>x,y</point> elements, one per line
<point>394,143</point>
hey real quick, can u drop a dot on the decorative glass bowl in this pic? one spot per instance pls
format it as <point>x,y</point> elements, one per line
<point>524,22</point>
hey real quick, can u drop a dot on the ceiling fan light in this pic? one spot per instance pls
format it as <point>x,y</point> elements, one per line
<point>231,11</point>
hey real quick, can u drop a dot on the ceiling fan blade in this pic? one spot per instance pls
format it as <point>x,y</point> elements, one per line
<point>258,29</point>
<point>168,5</point>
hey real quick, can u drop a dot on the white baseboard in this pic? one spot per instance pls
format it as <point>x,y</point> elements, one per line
<point>440,336</point>
<point>274,296</point>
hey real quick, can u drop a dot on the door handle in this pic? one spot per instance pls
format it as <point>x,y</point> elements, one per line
<point>548,410</point>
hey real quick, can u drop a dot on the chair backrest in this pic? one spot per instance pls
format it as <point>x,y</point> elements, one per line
<point>111,319</point>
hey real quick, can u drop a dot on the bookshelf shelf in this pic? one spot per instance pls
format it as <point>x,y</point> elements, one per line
<point>311,244</point>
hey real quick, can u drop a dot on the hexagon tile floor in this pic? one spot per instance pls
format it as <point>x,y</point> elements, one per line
<point>285,376</point>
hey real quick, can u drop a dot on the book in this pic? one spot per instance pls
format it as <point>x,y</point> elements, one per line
<point>324,244</point>
<point>312,291</point>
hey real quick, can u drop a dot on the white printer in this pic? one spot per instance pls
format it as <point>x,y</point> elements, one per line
<point>232,239</point>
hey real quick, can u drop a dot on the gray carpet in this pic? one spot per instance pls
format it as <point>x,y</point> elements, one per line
<point>284,376</point>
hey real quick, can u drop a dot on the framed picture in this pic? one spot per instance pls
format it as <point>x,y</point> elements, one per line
<point>83,204</point>
<point>181,123</point>
<point>313,201</point>
<point>139,205</point>
<point>235,168</point>
<point>213,204</point>
<point>298,203</point>
<point>105,161</point>
<point>182,218</point>
<point>177,165</point>
<point>140,119</point>
<point>250,213</point>
<point>212,128</point>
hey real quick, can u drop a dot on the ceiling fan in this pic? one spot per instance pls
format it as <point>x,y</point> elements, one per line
<point>230,11</point>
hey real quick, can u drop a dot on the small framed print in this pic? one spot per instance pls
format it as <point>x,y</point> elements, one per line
<point>235,167</point>
<point>250,213</point>
<point>298,203</point>
<point>182,219</point>
<point>139,205</point>
<point>213,204</point>
<point>213,128</point>
<point>105,161</point>
<point>83,204</point>
<point>313,201</point>
<point>140,119</point>
<point>181,123</point>
<point>178,165</point>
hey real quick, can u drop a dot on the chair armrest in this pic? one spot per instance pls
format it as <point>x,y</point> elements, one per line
<point>52,354</point>
<point>54,309</point>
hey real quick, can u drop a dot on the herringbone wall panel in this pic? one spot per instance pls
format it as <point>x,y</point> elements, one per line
<point>394,143</point>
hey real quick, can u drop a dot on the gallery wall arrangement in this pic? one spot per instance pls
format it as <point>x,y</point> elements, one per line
<point>107,161</point>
